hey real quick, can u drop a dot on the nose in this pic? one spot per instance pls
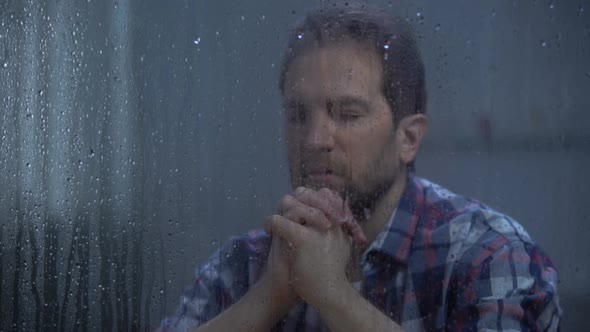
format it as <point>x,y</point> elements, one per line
<point>320,133</point>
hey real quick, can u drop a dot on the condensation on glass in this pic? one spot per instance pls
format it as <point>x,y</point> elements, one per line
<point>136,136</point>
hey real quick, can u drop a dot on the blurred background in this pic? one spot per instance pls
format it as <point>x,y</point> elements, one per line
<point>136,136</point>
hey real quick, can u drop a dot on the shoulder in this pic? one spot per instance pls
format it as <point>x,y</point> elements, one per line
<point>471,230</point>
<point>482,259</point>
<point>467,219</point>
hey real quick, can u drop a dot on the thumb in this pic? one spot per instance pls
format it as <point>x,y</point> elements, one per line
<point>286,229</point>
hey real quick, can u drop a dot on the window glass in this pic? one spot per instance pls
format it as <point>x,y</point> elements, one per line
<point>138,136</point>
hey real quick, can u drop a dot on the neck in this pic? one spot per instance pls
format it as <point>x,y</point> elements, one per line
<point>379,215</point>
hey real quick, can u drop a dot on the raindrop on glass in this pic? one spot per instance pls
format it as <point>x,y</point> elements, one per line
<point>197,41</point>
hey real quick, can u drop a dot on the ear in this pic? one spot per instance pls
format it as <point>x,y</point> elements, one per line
<point>411,131</point>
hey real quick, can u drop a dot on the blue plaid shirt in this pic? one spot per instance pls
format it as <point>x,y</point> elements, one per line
<point>443,262</point>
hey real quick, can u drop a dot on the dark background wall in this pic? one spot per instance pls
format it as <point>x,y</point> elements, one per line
<point>138,135</point>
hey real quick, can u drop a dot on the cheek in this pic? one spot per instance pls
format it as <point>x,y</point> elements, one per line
<point>372,155</point>
<point>293,156</point>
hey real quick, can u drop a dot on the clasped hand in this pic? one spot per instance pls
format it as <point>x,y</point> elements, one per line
<point>313,235</point>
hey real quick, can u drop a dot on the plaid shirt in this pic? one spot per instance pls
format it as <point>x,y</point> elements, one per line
<point>443,262</point>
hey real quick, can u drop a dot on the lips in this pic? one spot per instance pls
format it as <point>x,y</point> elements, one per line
<point>321,176</point>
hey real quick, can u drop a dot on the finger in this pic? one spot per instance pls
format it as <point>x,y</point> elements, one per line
<point>299,191</point>
<point>266,225</point>
<point>356,232</point>
<point>287,230</point>
<point>338,207</point>
<point>310,216</point>
<point>278,245</point>
<point>291,208</point>
<point>286,203</point>
<point>269,221</point>
<point>322,200</point>
<point>276,240</point>
<point>335,208</point>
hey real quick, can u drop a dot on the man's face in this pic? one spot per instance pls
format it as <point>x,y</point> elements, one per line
<point>339,127</point>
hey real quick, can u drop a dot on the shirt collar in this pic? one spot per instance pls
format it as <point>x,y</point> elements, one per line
<point>395,240</point>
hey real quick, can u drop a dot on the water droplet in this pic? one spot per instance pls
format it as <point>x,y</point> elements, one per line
<point>386,46</point>
<point>551,6</point>
<point>437,27</point>
<point>41,92</point>
<point>197,41</point>
<point>543,43</point>
<point>580,9</point>
<point>5,64</point>
<point>418,14</point>
<point>299,36</point>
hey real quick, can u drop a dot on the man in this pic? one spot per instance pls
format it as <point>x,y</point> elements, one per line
<point>362,244</point>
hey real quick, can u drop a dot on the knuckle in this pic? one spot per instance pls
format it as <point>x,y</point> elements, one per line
<point>285,203</point>
<point>300,190</point>
<point>285,200</point>
<point>315,213</point>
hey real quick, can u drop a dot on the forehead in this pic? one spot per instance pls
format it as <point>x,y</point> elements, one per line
<point>345,68</point>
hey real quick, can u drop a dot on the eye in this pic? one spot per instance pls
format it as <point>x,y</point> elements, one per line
<point>296,113</point>
<point>349,115</point>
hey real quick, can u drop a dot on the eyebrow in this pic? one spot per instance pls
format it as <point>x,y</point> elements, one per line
<point>291,103</point>
<point>346,100</point>
<point>350,100</point>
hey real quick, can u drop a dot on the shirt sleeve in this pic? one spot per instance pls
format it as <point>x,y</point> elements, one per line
<point>511,288</point>
<point>220,282</point>
<point>203,300</point>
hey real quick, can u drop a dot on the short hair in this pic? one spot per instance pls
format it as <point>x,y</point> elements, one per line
<point>391,37</point>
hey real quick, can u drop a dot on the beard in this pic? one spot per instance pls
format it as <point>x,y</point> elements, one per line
<point>362,193</point>
<point>362,199</point>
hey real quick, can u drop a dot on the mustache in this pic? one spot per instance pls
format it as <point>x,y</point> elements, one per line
<point>322,167</point>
